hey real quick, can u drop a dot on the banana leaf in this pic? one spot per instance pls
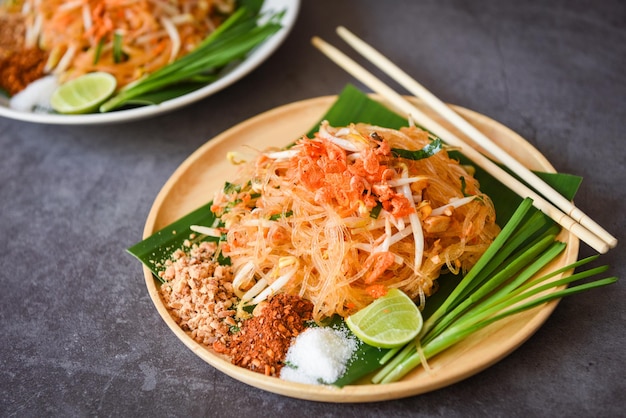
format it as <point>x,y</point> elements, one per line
<point>351,106</point>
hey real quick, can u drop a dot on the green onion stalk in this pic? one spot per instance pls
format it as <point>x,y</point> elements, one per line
<point>499,285</point>
<point>231,41</point>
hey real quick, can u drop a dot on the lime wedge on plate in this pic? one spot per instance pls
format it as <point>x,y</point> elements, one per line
<point>83,94</point>
<point>390,321</point>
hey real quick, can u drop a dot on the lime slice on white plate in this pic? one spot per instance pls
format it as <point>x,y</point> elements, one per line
<point>83,94</point>
<point>390,321</point>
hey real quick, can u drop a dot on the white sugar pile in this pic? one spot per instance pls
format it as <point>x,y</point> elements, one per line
<point>318,356</point>
<point>36,96</point>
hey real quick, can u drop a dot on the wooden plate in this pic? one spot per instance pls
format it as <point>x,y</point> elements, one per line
<point>206,170</point>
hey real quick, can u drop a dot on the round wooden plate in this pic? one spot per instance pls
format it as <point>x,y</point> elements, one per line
<point>206,170</point>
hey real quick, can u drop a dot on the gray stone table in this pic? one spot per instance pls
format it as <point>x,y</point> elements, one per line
<point>79,334</point>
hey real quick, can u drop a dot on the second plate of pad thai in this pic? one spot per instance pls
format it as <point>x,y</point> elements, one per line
<point>161,55</point>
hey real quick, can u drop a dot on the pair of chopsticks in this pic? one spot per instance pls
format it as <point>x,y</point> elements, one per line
<point>558,208</point>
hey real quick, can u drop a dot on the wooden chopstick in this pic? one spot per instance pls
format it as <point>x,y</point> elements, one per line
<point>383,63</point>
<point>403,105</point>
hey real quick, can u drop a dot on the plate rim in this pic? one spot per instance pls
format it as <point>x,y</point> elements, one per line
<point>252,61</point>
<point>350,393</point>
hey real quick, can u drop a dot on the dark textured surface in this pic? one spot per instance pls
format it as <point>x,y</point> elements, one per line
<point>79,333</point>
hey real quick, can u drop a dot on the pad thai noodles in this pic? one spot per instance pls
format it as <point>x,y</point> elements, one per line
<point>126,38</point>
<point>341,218</point>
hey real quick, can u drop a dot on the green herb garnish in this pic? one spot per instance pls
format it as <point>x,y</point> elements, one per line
<point>430,149</point>
<point>278,216</point>
<point>118,51</point>
<point>375,212</point>
<point>98,52</point>
<point>231,41</point>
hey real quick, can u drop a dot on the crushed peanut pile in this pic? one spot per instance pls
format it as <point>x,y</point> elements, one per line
<point>264,340</point>
<point>199,294</point>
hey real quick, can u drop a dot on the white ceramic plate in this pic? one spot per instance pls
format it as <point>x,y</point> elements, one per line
<point>206,170</point>
<point>259,55</point>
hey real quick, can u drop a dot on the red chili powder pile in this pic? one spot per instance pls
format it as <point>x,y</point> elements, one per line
<point>262,343</point>
<point>19,66</point>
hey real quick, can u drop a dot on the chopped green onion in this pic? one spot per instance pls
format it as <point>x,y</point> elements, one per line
<point>463,186</point>
<point>375,212</point>
<point>98,52</point>
<point>118,53</point>
<point>231,187</point>
<point>277,216</point>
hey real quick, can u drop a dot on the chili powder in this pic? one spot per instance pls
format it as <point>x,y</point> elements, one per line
<point>262,343</point>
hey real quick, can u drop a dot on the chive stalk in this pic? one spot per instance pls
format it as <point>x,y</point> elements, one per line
<point>498,286</point>
<point>491,252</point>
<point>118,52</point>
<point>409,357</point>
<point>231,41</point>
<point>515,264</point>
<point>98,51</point>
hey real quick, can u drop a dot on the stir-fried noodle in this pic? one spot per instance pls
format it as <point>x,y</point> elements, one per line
<point>126,38</point>
<point>340,218</point>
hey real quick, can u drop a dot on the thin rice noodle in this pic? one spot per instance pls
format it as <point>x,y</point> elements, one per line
<point>317,205</point>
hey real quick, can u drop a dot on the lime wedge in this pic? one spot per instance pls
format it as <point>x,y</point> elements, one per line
<point>390,321</point>
<point>83,94</point>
